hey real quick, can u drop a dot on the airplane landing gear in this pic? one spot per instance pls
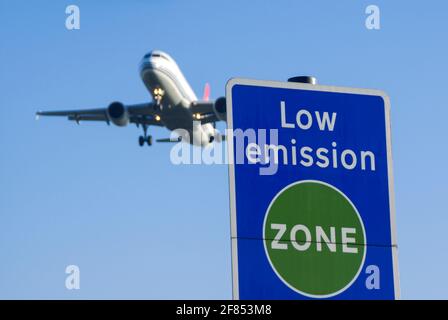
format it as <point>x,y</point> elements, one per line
<point>158,95</point>
<point>145,138</point>
<point>142,140</point>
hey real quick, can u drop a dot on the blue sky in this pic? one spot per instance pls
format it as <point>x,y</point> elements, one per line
<point>140,227</point>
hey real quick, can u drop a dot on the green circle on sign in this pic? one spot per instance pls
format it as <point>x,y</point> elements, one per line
<point>314,239</point>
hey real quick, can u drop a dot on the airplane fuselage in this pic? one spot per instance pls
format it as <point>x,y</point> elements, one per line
<point>166,83</point>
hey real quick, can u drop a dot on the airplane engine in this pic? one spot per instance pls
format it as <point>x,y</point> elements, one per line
<point>118,114</point>
<point>219,107</point>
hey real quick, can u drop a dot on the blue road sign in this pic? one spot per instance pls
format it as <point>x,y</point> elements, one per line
<point>311,192</point>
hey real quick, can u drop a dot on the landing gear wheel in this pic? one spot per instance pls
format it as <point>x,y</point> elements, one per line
<point>145,138</point>
<point>141,141</point>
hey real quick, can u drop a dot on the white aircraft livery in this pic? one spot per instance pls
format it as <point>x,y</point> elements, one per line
<point>174,106</point>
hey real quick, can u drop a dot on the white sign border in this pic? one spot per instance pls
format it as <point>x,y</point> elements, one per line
<point>305,86</point>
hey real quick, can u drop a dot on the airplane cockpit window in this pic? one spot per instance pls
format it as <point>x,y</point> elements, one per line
<point>161,55</point>
<point>156,55</point>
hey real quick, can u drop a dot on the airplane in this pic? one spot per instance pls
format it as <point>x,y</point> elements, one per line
<point>174,106</point>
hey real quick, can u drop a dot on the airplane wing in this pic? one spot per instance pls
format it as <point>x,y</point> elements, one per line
<point>143,113</point>
<point>205,111</point>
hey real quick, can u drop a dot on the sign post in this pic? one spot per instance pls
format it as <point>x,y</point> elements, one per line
<point>311,192</point>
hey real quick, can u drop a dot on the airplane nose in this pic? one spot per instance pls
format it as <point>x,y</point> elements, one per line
<point>146,63</point>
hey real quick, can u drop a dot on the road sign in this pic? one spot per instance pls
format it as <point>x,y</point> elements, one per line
<point>311,192</point>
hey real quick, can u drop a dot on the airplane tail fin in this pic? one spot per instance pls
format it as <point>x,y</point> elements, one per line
<point>206,95</point>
